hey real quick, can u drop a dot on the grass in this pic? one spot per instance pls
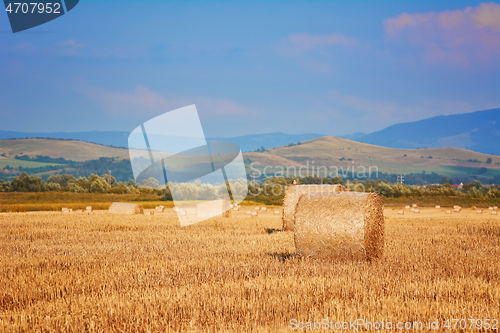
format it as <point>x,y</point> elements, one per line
<point>25,164</point>
<point>442,201</point>
<point>114,273</point>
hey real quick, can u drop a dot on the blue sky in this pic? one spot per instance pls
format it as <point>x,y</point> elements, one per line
<point>326,67</point>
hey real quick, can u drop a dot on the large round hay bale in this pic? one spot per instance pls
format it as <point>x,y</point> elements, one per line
<point>294,192</point>
<point>343,225</point>
<point>125,208</point>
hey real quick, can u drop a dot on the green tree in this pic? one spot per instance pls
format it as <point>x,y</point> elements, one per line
<point>26,183</point>
<point>6,186</point>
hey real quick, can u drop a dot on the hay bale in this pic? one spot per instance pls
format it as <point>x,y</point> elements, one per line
<point>438,207</point>
<point>493,212</point>
<point>495,207</point>
<point>407,207</point>
<point>257,208</point>
<point>473,208</point>
<point>89,209</point>
<point>479,211</point>
<point>125,208</point>
<point>249,212</point>
<point>152,212</point>
<point>412,209</point>
<point>417,210</point>
<point>490,208</point>
<point>293,194</point>
<point>401,211</point>
<point>213,208</point>
<point>414,205</point>
<point>160,209</point>
<point>65,210</point>
<point>448,211</point>
<point>277,212</point>
<point>457,210</point>
<point>255,213</point>
<point>340,225</point>
<point>263,209</point>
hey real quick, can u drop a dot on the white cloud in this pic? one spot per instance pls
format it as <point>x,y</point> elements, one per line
<point>461,37</point>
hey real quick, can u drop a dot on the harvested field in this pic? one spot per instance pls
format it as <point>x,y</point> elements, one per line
<point>128,273</point>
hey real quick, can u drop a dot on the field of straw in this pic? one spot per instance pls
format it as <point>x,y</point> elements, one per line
<point>135,273</point>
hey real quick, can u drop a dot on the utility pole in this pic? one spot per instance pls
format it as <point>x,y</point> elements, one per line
<point>109,178</point>
<point>400,179</point>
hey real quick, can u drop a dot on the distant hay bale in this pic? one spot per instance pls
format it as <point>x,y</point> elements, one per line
<point>401,211</point>
<point>454,207</point>
<point>493,212</point>
<point>479,211</point>
<point>457,210</point>
<point>495,207</point>
<point>293,194</point>
<point>412,209</point>
<point>340,225</point>
<point>414,205</point>
<point>65,210</point>
<point>407,207</point>
<point>473,208</point>
<point>417,210</point>
<point>438,207</point>
<point>277,212</point>
<point>249,212</point>
<point>263,209</point>
<point>490,208</point>
<point>213,208</point>
<point>160,209</point>
<point>125,208</point>
<point>257,208</point>
<point>448,211</point>
<point>89,209</point>
<point>231,206</point>
<point>255,213</point>
<point>152,212</point>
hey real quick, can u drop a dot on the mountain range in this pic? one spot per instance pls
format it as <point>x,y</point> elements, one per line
<point>478,131</point>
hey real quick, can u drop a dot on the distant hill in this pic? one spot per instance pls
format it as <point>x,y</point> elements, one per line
<point>120,139</point>
<point>325,154</point>
<point>111,138</point>
<point>70,150</point>
<point>269,140</point>
<point>478,131</point>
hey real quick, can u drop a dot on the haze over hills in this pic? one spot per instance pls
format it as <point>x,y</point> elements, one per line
<point>478,131</point>
<point>324,154</point>
<point>120,139</point>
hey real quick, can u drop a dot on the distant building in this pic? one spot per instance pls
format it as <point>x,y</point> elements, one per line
<point>457,186</point>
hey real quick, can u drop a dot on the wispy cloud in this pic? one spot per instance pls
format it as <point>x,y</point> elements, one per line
<point>145,101</point>
<point>461,37</point>
<point>306,41</point>
<point>313,52</point>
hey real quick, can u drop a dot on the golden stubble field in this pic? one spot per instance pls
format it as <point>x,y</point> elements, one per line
<point>113,273</point>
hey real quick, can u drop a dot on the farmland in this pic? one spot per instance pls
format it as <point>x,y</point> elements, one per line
<point>13,163</point>
<point>113,273</point>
